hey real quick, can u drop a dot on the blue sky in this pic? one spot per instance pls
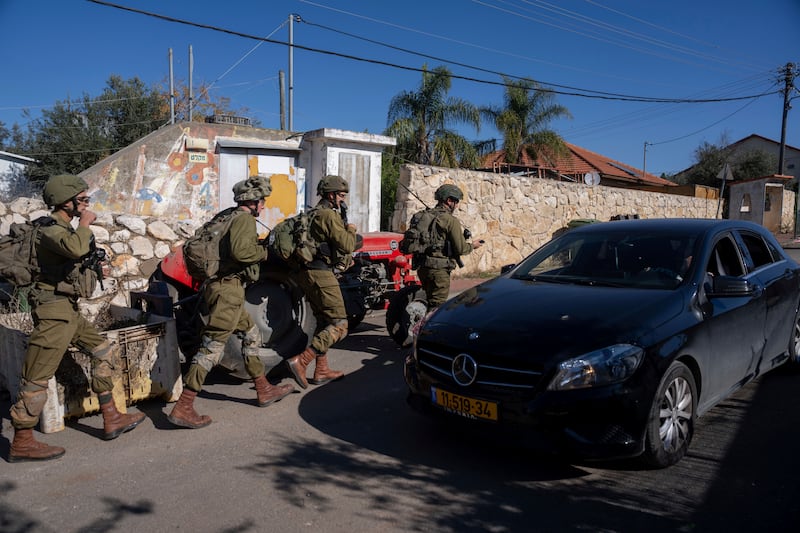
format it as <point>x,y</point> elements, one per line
<point>55,50</point>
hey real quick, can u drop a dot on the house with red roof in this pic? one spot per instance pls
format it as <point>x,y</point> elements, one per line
<point>578,165</point>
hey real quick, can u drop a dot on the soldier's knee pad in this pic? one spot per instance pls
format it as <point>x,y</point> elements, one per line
<point>30,403</point>
<point>251,342</point>
<point>103,360</point>
<point>338,329</point>
<point>210,353</point>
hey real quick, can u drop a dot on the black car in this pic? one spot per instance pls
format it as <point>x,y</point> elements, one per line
<point>611,339</point>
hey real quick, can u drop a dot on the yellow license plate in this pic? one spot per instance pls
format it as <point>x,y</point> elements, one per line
<point>464,405</point>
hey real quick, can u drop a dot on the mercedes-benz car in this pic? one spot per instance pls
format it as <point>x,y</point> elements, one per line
<point>610,340</point>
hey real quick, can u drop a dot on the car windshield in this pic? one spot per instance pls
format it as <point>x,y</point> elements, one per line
<point>639,259</point>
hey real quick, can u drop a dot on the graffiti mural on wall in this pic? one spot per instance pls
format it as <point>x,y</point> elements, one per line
<point>180,184</point>
<point>184,171</point>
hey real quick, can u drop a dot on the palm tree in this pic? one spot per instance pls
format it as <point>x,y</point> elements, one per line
<point>421,120</point>
<point>527,110</point>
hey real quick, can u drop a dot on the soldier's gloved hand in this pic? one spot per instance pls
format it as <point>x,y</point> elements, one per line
<point>352,228</point>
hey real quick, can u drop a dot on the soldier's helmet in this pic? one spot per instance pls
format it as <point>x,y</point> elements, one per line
<point>253,188</point>
<point>61,188</point>
<point>332,183</point>
<point>448,190</point>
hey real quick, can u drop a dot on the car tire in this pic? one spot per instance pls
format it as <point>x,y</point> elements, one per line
<point>670,426</point>
<point>398,320</point>
<point>793,362</point>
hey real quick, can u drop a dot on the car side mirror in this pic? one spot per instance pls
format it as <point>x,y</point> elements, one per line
<point>730,287</point>
<point>507,268</point>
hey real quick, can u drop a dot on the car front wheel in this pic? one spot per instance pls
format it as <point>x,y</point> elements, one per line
<point>793,363</point>
<point>671,423</point>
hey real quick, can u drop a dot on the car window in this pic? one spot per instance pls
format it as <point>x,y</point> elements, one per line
<point>633,259</point>
<point>757,249</point>
<point>725,259</point>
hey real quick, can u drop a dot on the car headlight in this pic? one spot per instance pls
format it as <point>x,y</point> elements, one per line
<point>601,367</point>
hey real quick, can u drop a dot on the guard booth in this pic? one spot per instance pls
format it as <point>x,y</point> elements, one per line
<point>758,200</point>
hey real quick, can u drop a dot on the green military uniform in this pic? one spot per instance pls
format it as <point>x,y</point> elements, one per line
<point>317,279</point>
<point>225,300</point>
<point>435,272</point>
<point>57,320</point>
<point>239,263</point>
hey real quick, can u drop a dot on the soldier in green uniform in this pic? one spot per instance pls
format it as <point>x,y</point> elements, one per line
<point>58,322</point>
<point>440,263</point>
<point>224,296</point>
<point>337,241</point>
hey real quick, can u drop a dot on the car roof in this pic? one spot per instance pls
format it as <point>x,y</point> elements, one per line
<point>690,225</point>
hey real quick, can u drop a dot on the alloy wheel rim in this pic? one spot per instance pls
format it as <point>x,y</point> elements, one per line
<point>675,414</point>
<point>797,339</point>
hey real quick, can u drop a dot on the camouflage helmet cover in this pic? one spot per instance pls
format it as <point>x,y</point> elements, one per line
<point>332,183</point>
<point>448,190</point>
<point>62,188</point>
<point>253,188</point>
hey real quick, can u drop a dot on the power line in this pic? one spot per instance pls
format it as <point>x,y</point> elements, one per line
<point>583,94</point>
<point>75,102</point>
<point>588,22</point>
<point>723,119</point>
<point>661,28</point>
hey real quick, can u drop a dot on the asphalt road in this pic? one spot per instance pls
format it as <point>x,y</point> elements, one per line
<point>351,456</point>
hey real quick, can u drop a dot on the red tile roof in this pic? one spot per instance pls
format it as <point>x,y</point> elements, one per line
<point>578,162</point>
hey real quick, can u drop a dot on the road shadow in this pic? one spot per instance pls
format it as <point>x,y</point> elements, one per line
<point>429,477</point>
<point>17,520</point>
<point>756,485</point>
<point>740,473</point>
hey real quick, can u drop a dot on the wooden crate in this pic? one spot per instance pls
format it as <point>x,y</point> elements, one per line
<point>146,365</point>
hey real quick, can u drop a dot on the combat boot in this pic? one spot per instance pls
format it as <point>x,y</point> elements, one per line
<point>114,422</point>
<point>298,365</point>
<point>323,374</point>
<point>184,415</point>
<point>25,448</point>
<point>267,393</point>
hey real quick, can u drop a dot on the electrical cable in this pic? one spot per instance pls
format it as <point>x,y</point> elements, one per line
<point>625,98</point>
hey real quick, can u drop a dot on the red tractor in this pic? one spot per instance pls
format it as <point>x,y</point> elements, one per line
<point>278,306</point>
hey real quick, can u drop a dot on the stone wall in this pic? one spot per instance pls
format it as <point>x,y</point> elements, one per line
<point>134,245</point>
<point>516,215</point>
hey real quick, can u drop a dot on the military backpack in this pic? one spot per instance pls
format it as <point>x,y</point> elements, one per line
<point>19,264</point>
<point>209,247</point>
<point>422,237</point>
<point>291,241</point>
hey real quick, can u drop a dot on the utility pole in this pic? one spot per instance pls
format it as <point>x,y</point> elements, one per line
<point>291,71</point>
<point>281,84</point>
<point>191,93</point>
<point>644,160</point>
<point>788,78</point>
<point>171,91</point>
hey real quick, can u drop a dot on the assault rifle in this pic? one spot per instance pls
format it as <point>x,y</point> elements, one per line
<point>94,261</point>
<point>448,249</point>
